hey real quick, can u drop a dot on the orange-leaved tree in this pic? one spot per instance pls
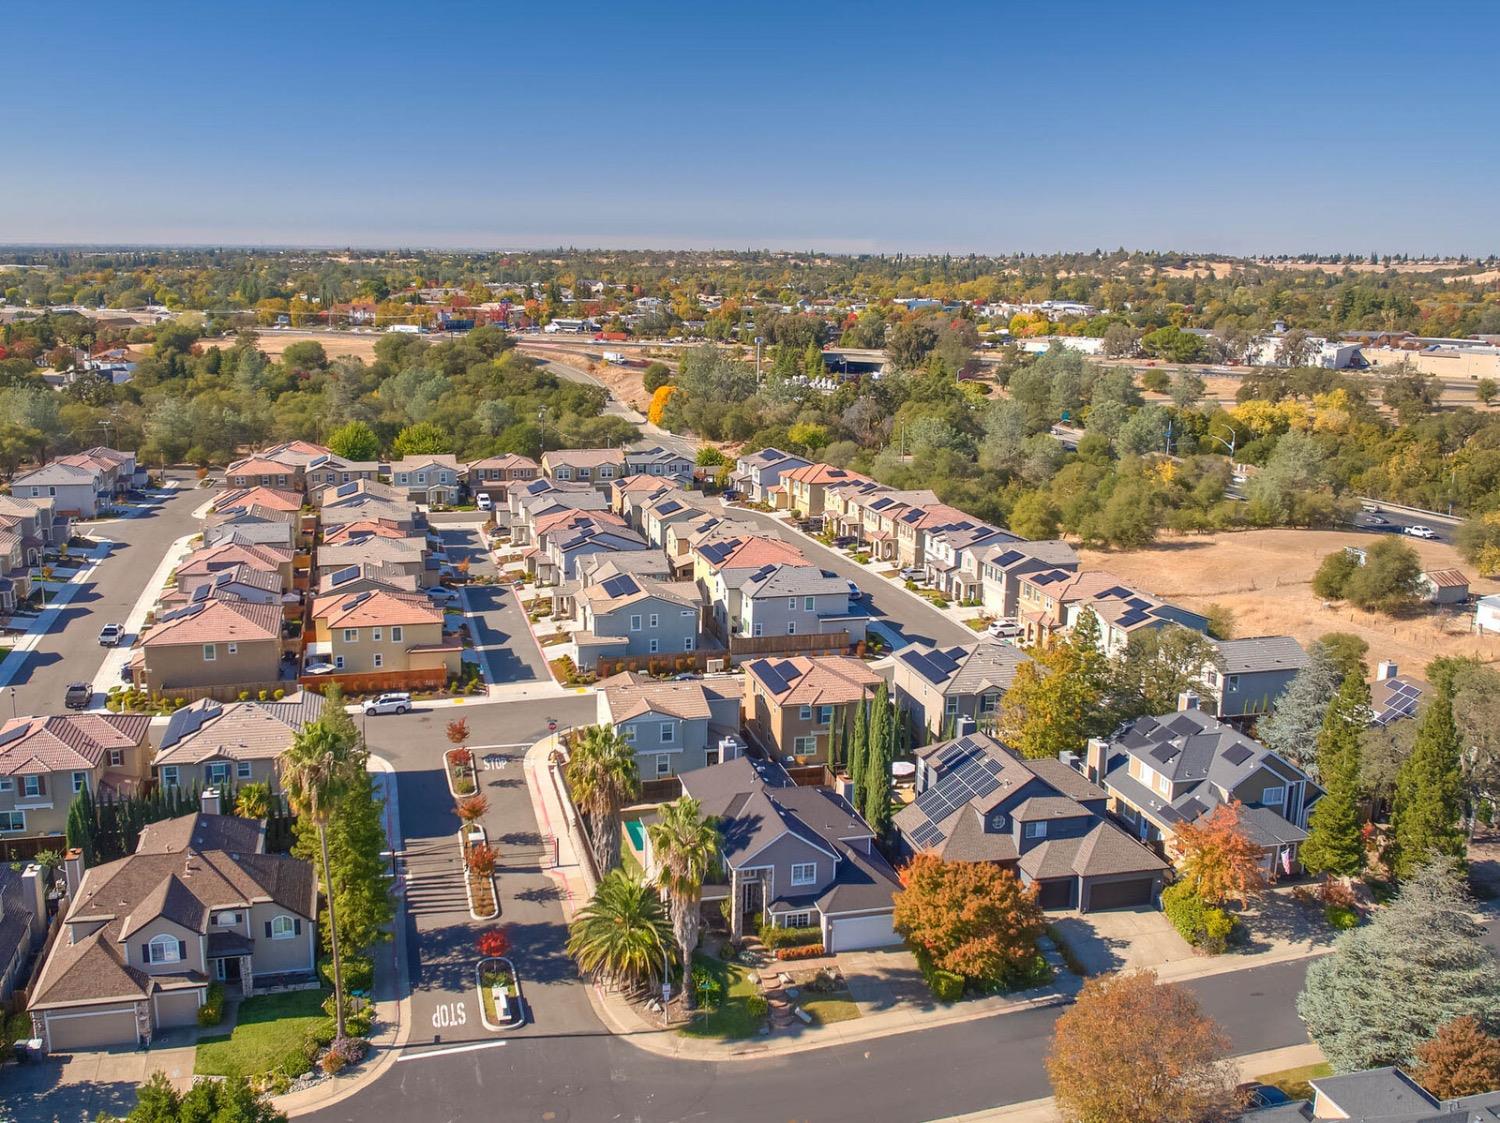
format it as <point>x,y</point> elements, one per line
<point>971,918</point>
<point>1218,859</point>
<point>473,807</point>
<point>458,731</point>
<point>1462,1060</point>
<point>1133,1050</point>
<point>658,406</point>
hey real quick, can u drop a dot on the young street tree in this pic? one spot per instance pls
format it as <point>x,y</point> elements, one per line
<point>1218,859</point>
<point>1334,844</point>
<point>1420,962</point>
<point>603,776</point>
<point>971,918</point>
<point>1462,1060</point>
<point>685,846</point>
<point>1429,792</point>
<point>1133,1050</point>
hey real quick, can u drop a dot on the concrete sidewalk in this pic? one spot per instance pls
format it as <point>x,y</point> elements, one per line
<point>392,987</point>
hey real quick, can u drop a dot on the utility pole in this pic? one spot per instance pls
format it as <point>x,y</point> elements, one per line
<point>758,341</point>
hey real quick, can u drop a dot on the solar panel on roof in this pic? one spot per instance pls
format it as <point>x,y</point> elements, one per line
<point>317,461</point>
<point>201,593</point>
<point>1237,754</point>
<point>620,586</point>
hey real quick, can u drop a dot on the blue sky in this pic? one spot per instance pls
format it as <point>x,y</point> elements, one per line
<point>1214,125</point>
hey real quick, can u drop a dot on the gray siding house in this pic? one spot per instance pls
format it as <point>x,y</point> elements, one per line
<point>938,686</point>
<point>1251,674</point>
<point>797,600</point>
<point>626,616</point>
<point>674,727</point>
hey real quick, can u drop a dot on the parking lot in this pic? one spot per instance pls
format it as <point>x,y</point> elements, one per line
<point>131,550</point>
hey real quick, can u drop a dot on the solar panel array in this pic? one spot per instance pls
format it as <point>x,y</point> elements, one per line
<point>777,675</point>
<point>1237,754</point>
<point>935,666</point>
<point>340,577</point>
<point>620,586</point>
<point>969,773</point>
<point>1400,701</point>
<point>346,490</point>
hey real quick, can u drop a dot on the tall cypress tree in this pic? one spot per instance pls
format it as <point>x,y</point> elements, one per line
<point>79,830</point>
<point>1429,792</point>
<point>877,771</point>
<point>858,743</point>
<point>1334,844</point>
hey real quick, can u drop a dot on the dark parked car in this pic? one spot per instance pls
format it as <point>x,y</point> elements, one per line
<point>78,696</point>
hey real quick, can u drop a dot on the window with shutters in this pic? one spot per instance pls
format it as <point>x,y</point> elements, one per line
<point>165,949</point>
<point>32,786</point>
<point>282,927</point>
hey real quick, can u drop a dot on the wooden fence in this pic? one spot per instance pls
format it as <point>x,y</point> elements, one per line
<point>379,682</point>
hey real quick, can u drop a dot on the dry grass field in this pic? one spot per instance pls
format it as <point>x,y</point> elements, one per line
<point>1265,577</point>
<point>335,344</point>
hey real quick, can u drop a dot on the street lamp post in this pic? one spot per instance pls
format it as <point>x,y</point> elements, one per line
<point>541,416</point>
<point>1229,444</point>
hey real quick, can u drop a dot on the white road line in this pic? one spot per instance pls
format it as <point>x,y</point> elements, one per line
<point>454,1049</point>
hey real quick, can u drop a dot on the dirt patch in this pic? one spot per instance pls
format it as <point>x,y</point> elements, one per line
<point>1265,578</point>
<point>335,345</point>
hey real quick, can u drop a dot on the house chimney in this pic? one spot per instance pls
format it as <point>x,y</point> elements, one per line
<point>844,787</point>
<point>208,802</point>
<point>34,879</point>
<point>1094,758</point>
<point>1187,700</point>
<point>1385,669</point>
<point>73,871</point>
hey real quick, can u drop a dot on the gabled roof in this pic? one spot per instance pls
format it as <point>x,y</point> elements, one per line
<point>1255,654</point>
<point>509,461</point>
<point>822,474</point>
<point>64,742</point>
<point>1016,555</point>
<point>209,730</point>
<point>215,621</point>
<point>787,580</point>
<point>822,680</point>
<point>268,497</point>
<point>749,553</point>
<point>54,474</point>
<point>375,608</point>
<point>582,457</point>
<point>632,695</point>
<point>965,668</point>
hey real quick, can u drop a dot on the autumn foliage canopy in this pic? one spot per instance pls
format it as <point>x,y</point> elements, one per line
<point>971,918</point>
<point>1462,1060</point>
<point>495,941</point>
<point>1218,859</point>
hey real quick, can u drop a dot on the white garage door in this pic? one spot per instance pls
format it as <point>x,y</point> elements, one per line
<point>94,1030</point>
<point>853,933</point>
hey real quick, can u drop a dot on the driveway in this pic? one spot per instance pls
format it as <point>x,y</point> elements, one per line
<point>69,651</point>
<point>1119,939</point>
<point>76,1087</point>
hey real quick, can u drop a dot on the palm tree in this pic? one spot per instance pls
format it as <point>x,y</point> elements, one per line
<point>316,770</point>
<point>622,935</point>
<point>602,776</point>
<point>253,801</point>
<point>684,845</point>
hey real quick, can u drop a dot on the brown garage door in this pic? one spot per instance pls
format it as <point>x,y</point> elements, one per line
<point>1120,894</point>
<point>1056,894</point>
<point>68,1031</point>
<point>179,1009</point>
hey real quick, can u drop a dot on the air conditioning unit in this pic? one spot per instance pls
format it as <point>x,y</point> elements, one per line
<point>730,748</point>
<point>715,666</point>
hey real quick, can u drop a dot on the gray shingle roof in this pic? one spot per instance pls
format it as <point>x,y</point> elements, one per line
<point>1260,653</point>
<point>970,668</point>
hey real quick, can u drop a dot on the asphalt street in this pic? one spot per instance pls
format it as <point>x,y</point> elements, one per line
<point>70,651</point>
<point>502,635</point>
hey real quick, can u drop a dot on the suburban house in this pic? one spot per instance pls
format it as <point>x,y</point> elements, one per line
<point>241,582</point>
<point>722,566</point>
<point>210,561</point>
<point>15,568</point>
<point>662,511</point>
<point>792,705</point>
<point>365,500</point>
<point>1002,565</point>
<point>843,513</point>
<point>1388,1095</point>
<point>566,536</point>
<point>262,470</point>
<point>625,616</point>
<point>629,494</point>
<point>914,525</point>
<point>365,577</point>
<point>432,478</point>
<point>78,492</point>
<point>674,727</point>
<point>1394,696</point>
<point>979,802</point>
<point>800,857</point>
<point>1174,768</point>
<point>46,761</point>
<point>218,743</point>
<point>755,475</point>
<point>494,475</point>
<point>595,569</point>
<point>247,498</point>
<point>330,470</point>
<point>1251,674</point>
<point>404,555</point>
<point>116,469</point>
<point>879,515</point>
<point>806,487</point>
<point>378,631</point>
<point>145,936</point>
<point>680,538</point>
<point>531,501</point>
<point>214,642</point>
<point>952,561</point>
<point>595,466</point>
<point>364,528</point>
<point>38,517</point>
<point>1052,600</point>
<point>259,526</point>
<point>937,687</point>
<point>654,460</point>
<point>796,600</point>
<point>23,921</point>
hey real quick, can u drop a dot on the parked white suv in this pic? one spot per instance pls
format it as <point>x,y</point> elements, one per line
<point>399,703</point>
<point>483,501</point>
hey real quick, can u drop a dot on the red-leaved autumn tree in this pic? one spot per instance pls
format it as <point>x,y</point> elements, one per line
<point>472,807</point>
<point>971,918</point>
<point>458,731</point>
<point>481,859</point>
<point>1133,1050</point>
<point>1218,859</point>
<point>494,941</point>
<point>1462,1060</point>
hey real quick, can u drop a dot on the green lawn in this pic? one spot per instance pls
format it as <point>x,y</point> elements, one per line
<point>732,1020</point>
<point>271,1029</point>
<point>835,1007</point>
<point>1294,1081</point>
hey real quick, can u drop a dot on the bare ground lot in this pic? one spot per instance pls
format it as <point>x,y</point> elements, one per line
<point>335,344</point>
<point>1265,577</point>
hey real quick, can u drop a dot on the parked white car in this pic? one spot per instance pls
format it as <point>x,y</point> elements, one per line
<point>1417,530</point>
<point>398,703</point>
<point>483,501</point>
<point>1003,629</point>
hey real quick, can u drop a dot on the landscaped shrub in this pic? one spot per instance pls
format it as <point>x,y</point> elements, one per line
<point>757,1006</point>
<point>1342,917</point>
<point>790,937</point>
<point>1202,925</point>
<point>344,1051</point>
<point>211,1013</point>
<point>806,951</point>
<point>945,985</point>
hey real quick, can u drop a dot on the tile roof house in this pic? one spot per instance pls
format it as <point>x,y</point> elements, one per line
<point>722,566</point>
<point>532,500</point>
<point>494,475</point>
<point>1002,565</point>
<point>595,466</point>
<point>208,562</point>
<point>267,470</point>
<point>240,582</point>
<point>1251,674</point>
<point>979,802</point>
<point>802,856</point>
<point>915,524</point>
<point>46,761</point>
<point>792,705</point>
<point>366,576</point>
<point>937,687</point>
<point>38,517</point>
<point>260,526</point>
<point>328,469</point>
<point>144,937</point>
<point>566,536</point>
<point>629,494</point>
<point>216,743</point>
<point>244,498</point>
<point>23,921</point>
<point>680,537</point>
<point>364,528</point>
<point>662,511</point>
<point>654,460</point>
<point>379,632</point>
<point>952,561</point>
<point>1165,770</point>
<point>806,487</point>
<point>674,727</point>
<point>214,642</point>
<point>432,478</point>
<point>781,600</point>
<point>1052,600</point>
<point>79,492</point>
<point>407,555</point>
